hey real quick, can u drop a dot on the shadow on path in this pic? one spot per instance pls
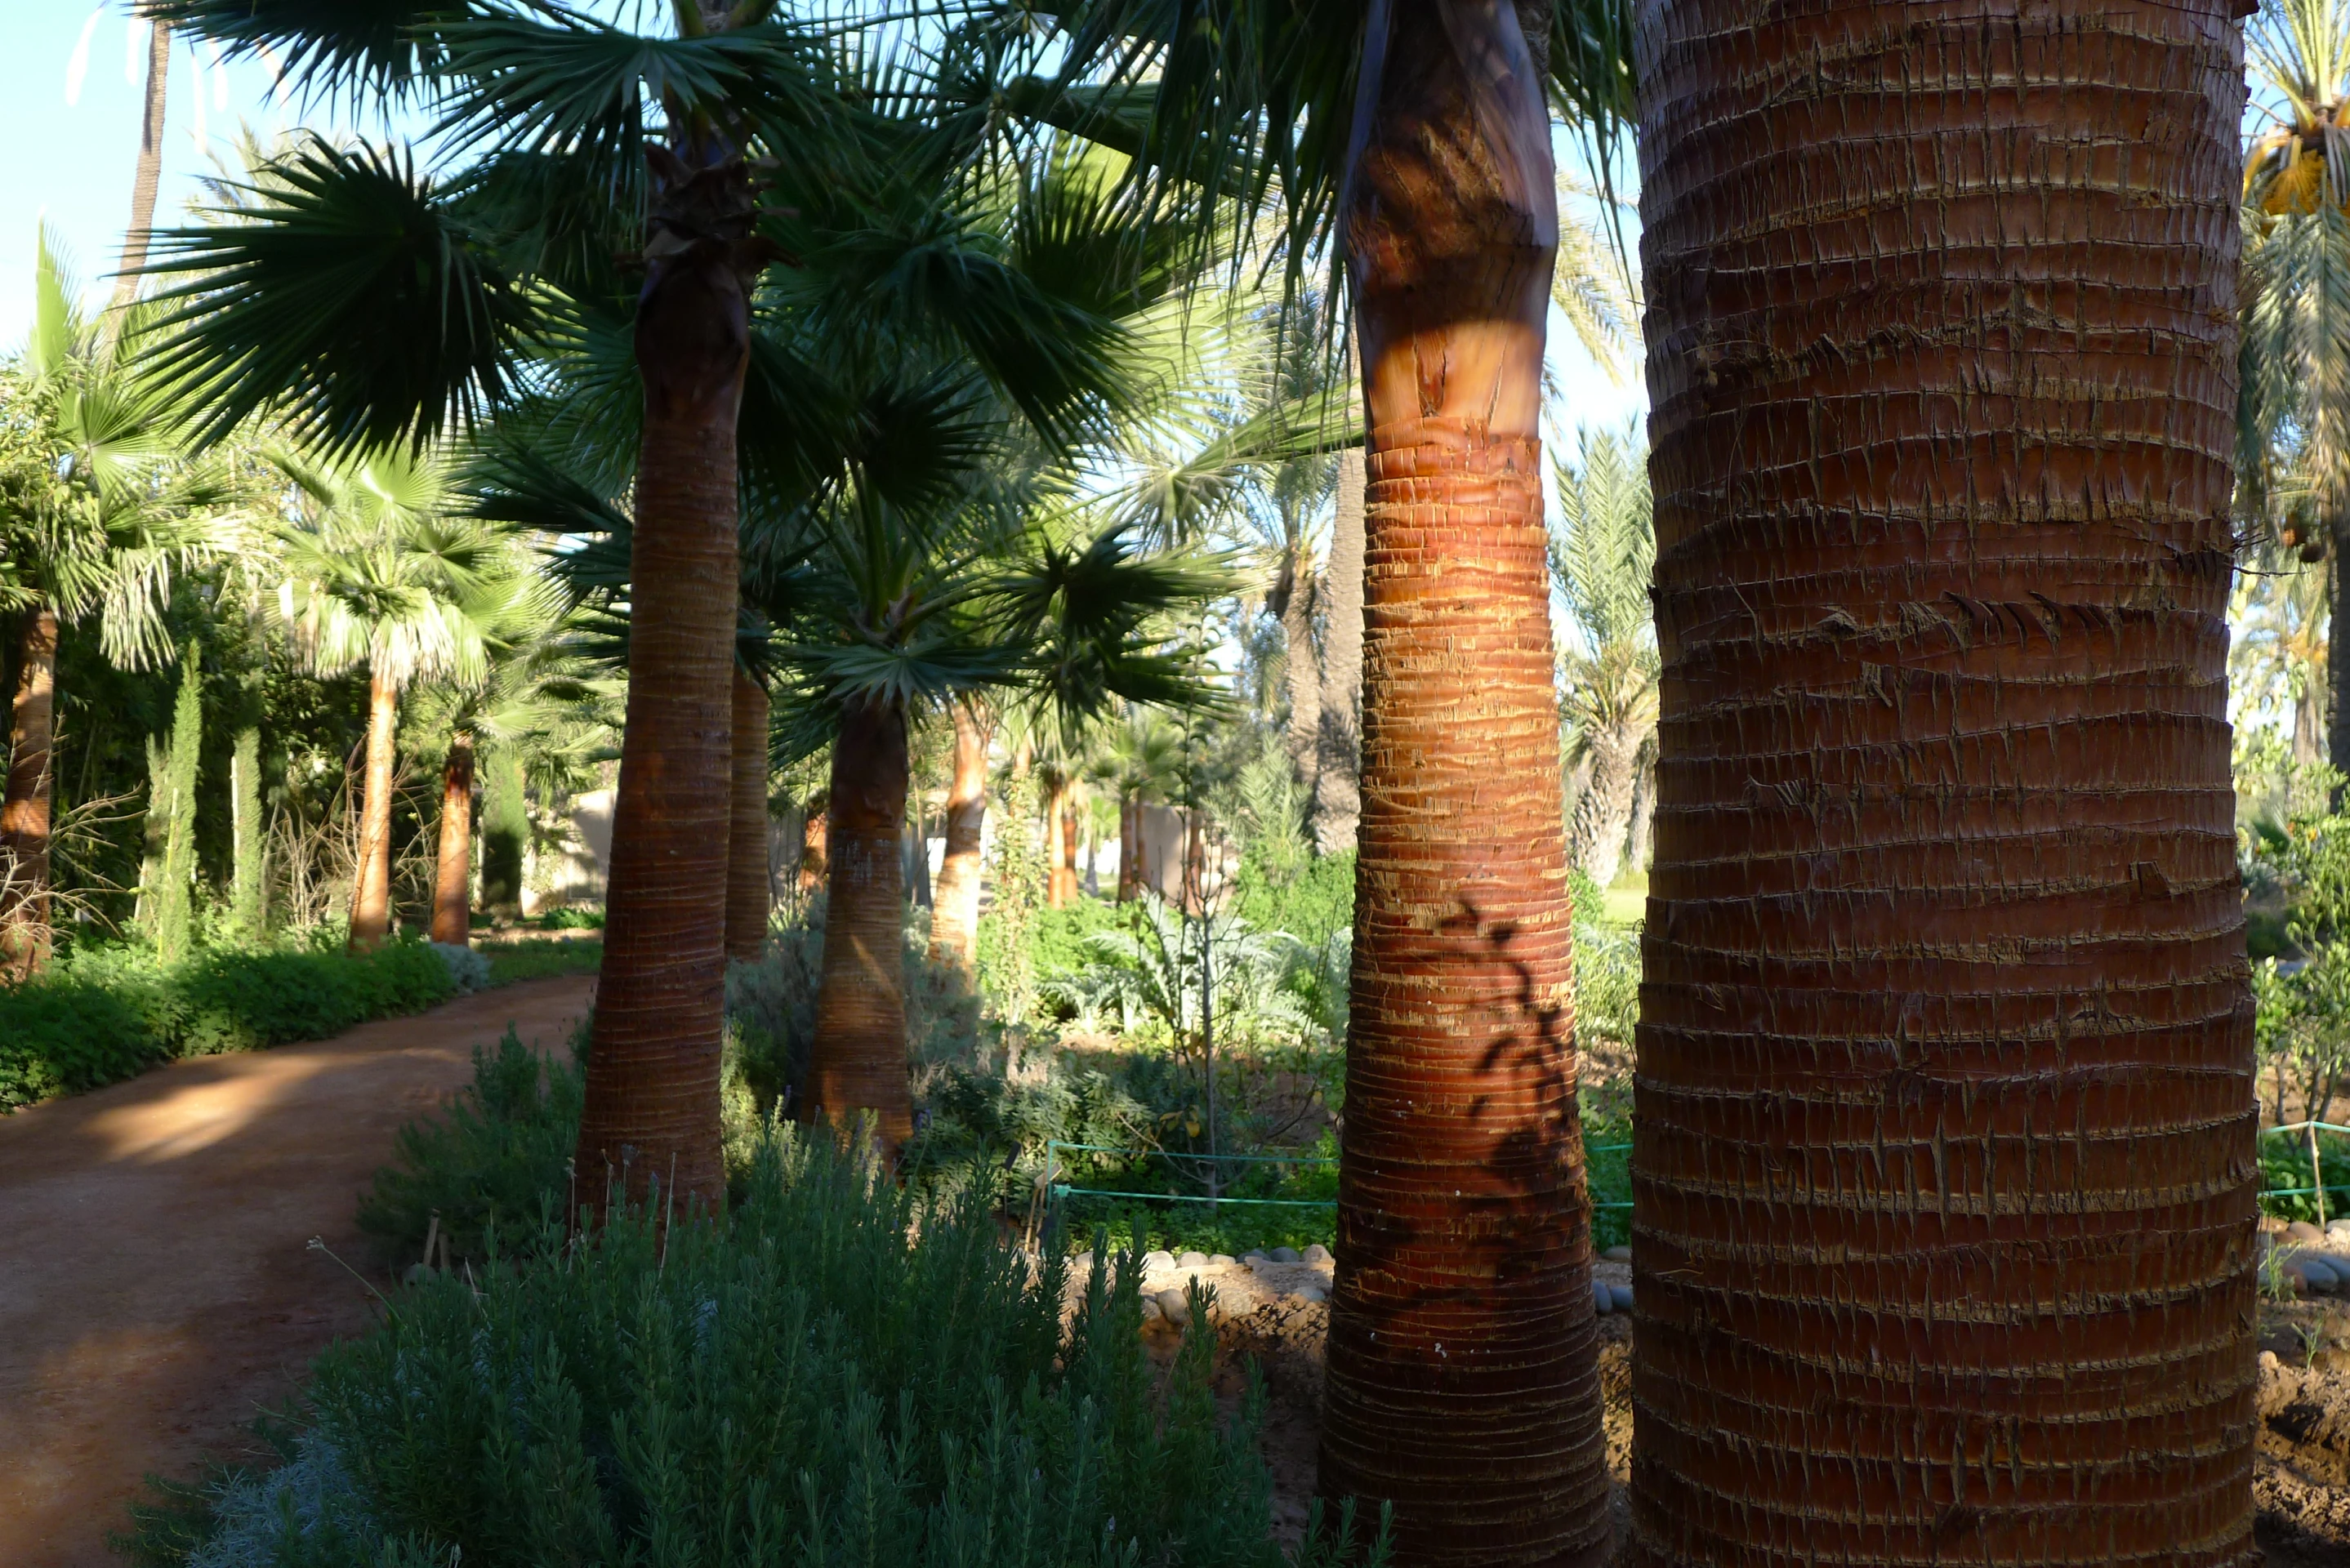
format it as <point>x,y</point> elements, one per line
<point>156,1282</point>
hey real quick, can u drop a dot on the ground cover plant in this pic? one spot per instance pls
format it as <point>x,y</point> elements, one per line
<point>799,1380</point>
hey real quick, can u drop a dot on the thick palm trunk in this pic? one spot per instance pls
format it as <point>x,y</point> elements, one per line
<point>1602,812</point>
<point>1072,810</point>
<point>1302,677</point>
<point>452,870</point>
<point>954,914</point>
<point>1338,745</point>
<point>147,178</point>
<point>651,1110</point>
<point>24,936</point>
<point>1462,1381</point>
<point>747,854</point>
<point>371,877</point>
<point>1944,1162</point>
<point>1061,877</point>
<point>857,1067</point>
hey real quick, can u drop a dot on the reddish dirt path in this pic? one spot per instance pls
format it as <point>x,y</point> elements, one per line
<point>156,1282</point>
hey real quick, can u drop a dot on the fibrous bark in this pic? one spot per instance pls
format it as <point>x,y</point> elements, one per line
<point>954,916</point>
<point>1943,1170</point>
<point>746,861</point>
<point>652,1108</point>
<point>857,1065</point>
<point>371,877</point>
<point>453,869</point>
<point>25,827</point>
<point>1603,811</point>
<point>1462,1381</point>
<point>147,178</point>
<point>1302,674</point>
<point>816,833</point>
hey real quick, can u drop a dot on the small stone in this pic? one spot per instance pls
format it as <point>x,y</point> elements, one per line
<point>2333,1358</point>
<point>2269,1362</point>
<point>1081,1265</point>
<point>1154,1261</point>
<point>1151,1312</point>
<point>2296,1280</point>
<point>1603,1299</point>
<point>2337,1227</point>
<point>2323,1280</point>
<point>1317,1254</point>
<point>1174,1307</point>
<point>1311,1294</point>
<point>1617,1254</point>
<point>1222,1260</point>
<point>1192,1260</point>
<point>2303,1231</point>
<point>417,1273</point>
<point>1257,1263</point>
<point>1285,1255</point>
<point>1623,1295</point>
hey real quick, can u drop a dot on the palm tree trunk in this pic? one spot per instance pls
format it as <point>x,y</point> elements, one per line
<point>1072,808</point>
<point>371,877</point>
<point>147,178</point>
<point>816,836</point>
<point>1463,1376</point>
<point>1057,879</point>
<point>857,1067</point>
<point>1129,848</point>
<point>746,858</point>
<point>1338,745</point>
<point>2337,670</point>
<point>954,916</point>
<point>25,934</point>
<point>1302,675</point>
<point>453,872</point>
<point>1944,1157</point>
<point>652,1109</point>
<point>1602,812</point>
<point>247,845</point>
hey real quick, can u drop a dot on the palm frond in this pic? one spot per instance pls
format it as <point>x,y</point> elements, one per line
<point>355,45</point>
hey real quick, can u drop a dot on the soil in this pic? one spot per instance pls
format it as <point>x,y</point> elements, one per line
<point>162,1285</point>
<point>2301,1480</point>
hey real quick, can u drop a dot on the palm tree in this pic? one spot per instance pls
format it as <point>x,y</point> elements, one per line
<point>2293,397</point>
<point>97,518</point>
<point>381,569</point>
<point>1943,1165</point>
<point>954,910</point>
<point>365,304</point>
<point>1600,562</point>
<point>1142,758</point>
<point>1461,1364</point>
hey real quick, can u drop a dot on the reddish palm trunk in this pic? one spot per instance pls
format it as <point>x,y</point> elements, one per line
<point>857,1067</point>
<point>371,877</point>
<point>1066,876</point>
<point>954,914</point>
<point>651,1105</point>
<point>747,862</point>
<point>1463,1380</point>
<point>1056,797</point>
<point>24,811</point>
<point>1130,848</point>
<point>815,837</point>
<point>452,904</point>
<point>1944,1160</point>
<point>1338,759</point>
<point>147,176</point>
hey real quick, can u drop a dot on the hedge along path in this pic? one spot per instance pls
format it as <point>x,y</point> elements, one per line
<point>1943,1161</point>
<point>157,1288</point>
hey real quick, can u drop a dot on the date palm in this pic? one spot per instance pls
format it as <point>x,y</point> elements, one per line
<point>2293,400</point>
<point>97,516</point>
<point>723,153</point>
<point>1943,1164</point>
<point>1601,557</point>
<point>1462,1381</point>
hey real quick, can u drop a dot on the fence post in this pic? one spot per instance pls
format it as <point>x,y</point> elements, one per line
<point>2316,1175</point>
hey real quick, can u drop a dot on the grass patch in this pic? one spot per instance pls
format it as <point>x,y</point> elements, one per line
<point>539,958</point>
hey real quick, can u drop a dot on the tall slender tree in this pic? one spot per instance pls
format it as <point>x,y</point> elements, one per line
<point>1601,560</point>
<point>747,897</point>
<point>147,175</point>
<point>954,913</point>
<point>1943,1163</point>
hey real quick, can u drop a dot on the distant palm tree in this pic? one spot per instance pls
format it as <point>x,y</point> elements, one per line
<point>1601,556</point>
<point>382,568</point>
<point>98,515</point>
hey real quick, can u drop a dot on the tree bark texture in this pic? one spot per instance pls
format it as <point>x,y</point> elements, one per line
<point>1302,675</point>
<point>816,835</point>
<point>954,913</point>
<point>1072,807</point>
<point>147,178</point>
<point>25,812</point>
<point>1129,848</point>
<point>857,1065</point>
<point>371,877</point>
<point>746,857</point>
<point>1463,1380</point>
<point>1944,1176</point>
<point>1338,744</point>
<point>2338,671</point>
<point>1061,876</point>
<point>1603,811</point>
<point>453,869</point>
<point>651,1110</point>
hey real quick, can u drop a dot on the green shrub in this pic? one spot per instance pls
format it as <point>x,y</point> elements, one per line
<point>1313,905</point>
<point>494,1159</point>
<point>105,1013</point>
<point>797,1381</point>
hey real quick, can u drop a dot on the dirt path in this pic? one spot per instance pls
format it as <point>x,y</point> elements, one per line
<point>156,1282</point>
